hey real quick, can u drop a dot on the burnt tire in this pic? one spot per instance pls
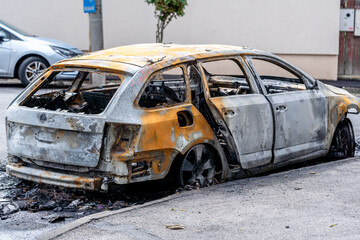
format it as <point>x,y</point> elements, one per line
<point>30,68</point>
<point>343,143</point>
<point>199,167</point>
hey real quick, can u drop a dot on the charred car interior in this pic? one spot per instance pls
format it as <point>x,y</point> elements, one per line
<point>166,88</point>
<point>190,114</point>
<point>77,98</point>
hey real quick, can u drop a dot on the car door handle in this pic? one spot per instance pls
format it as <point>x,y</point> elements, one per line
<point>281,108</point>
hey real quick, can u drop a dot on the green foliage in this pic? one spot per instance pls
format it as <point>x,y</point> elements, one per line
<point>165,11</point>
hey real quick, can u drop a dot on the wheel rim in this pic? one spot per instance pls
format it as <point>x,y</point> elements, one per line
<point>33,70</point>
<point>198,167</point>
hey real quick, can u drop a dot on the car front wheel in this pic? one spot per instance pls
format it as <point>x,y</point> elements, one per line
<point>31,68</point>
<point>343,143</point>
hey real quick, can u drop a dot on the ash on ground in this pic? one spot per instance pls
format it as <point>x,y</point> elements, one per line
<point>60,203</point>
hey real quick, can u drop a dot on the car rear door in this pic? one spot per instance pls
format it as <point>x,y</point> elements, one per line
<point>246,112</point>
<point>300,112</point>
<point>54,137</point>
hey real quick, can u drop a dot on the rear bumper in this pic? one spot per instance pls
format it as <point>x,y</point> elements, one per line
<point>53,178</point>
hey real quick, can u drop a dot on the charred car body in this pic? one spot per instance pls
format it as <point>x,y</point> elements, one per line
<point>196,113</point>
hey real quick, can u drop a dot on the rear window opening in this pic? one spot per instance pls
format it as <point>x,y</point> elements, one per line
<point>82,96</point>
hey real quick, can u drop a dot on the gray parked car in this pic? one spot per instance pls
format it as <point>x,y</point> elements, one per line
<point>25,56</point>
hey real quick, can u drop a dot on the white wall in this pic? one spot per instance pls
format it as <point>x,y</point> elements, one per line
<point>60,19</point>
<point>296,27</point>
<point>279,26</point>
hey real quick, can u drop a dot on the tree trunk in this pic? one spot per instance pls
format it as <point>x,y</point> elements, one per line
<point>160,31</point>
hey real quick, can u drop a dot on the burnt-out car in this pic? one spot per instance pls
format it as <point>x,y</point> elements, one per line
<point>197,114</point>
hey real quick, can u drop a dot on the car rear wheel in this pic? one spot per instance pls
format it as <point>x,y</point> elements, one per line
<point>343,143</point>
<point>198,167</point>
<point>30,68</point>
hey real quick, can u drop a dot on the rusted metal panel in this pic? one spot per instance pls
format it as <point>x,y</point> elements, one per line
<point>54,145</point>
<point>349,53</point>
<point>250,120</point>
<point>349,46</point>
<point>167,54</point>
<point>341,57</point>
<point>56,120</point>
<point>339,102</point>
<point>100,65</point>
<point>301,125</point>
<point>356,62</point>
<point>60,179</point>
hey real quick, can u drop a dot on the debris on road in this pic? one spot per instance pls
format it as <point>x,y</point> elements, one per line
<point>175,226</point>
<point>75,203</point>
<point>61,203</point>
<point>8,208</point>
<point>59,217</point>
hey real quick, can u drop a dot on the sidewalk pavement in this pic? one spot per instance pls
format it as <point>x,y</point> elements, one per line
<point>316,202</point>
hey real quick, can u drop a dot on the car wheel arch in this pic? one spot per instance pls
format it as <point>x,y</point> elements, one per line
<point>353,109</point>
<point>23,58</point>
<point>350,109</point>
<point>216,150</point>
<point>343,123</point>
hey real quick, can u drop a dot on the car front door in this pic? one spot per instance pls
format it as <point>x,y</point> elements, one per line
<point>234,98</point>
<point>300,111</point>
<point>5,51</point>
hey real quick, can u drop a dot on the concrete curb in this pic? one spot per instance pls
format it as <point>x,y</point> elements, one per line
<point>81,221</point>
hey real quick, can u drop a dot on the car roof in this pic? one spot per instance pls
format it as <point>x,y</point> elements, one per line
<point>144,54</point>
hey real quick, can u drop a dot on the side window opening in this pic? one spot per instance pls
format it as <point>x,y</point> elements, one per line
<point>80,97</point>
<point>226,77</point>
<point>275,78</point>
<point>166,88</point>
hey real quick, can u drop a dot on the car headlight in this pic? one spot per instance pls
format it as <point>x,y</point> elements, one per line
<point>64,52</point>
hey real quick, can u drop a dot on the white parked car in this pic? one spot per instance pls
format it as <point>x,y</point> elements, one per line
<point>25,56</point>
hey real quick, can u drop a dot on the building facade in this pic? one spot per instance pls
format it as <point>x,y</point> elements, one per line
<point>306,32</point>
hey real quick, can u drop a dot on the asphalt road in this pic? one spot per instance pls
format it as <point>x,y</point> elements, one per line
<point>325,205</point>
<point>317,202</point>
<point>7,92</point>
